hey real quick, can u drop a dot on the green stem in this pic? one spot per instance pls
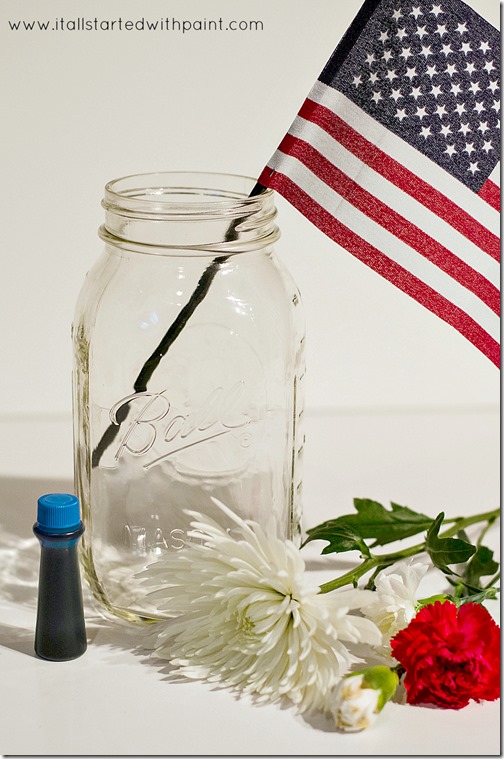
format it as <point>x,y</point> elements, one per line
<point>373,561</point>
<point>484,532</point>
<point>494,579</point>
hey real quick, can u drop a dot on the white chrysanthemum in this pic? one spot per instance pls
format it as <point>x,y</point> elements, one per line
<point>395,601</point>
<point>250,620</point>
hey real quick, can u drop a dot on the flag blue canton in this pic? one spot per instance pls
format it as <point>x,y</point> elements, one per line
<point>429,72</point>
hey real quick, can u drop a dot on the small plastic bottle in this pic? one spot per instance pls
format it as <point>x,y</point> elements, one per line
<point>60,631</point>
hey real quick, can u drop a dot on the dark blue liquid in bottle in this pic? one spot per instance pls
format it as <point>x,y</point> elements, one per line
<point>60,632</point>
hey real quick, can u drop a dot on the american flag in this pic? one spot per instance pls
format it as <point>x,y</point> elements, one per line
<point>395,156</point>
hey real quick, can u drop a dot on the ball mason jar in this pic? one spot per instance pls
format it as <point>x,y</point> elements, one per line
<point>188,376</point>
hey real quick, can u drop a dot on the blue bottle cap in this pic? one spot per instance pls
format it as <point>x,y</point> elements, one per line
<point>58,512</point>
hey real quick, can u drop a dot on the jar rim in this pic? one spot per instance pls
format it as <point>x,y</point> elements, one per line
<point>183,194</point>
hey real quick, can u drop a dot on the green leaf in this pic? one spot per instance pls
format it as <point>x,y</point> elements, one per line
<point>341,537</point>
<point>462,534</point>
<point>481,565</point>
<point>374,521</point>
<point>444,551</point>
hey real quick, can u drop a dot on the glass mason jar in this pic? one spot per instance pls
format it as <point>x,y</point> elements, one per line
<point>188,342</point>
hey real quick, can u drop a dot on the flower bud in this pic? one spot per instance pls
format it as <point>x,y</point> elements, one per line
<point>360,696</point>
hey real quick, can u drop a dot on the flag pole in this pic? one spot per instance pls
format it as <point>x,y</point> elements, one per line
<point>151,364</point>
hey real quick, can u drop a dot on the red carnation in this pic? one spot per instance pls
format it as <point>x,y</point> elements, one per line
<point>450,655</point>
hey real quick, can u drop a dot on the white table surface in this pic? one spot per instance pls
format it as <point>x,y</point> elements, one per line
<point>115,700</point>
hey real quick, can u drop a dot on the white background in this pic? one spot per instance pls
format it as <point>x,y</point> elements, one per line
<point>81,108</point>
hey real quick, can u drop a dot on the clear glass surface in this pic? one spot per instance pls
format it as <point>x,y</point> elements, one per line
<point>218,413</point>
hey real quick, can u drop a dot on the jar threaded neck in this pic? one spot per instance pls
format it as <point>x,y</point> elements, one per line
<point>188,210</point>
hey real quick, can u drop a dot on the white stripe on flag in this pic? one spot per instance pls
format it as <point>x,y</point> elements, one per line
<point>404,204</point>
<point>379,237</point>
<point>405,154</point>
<point>495,175</point>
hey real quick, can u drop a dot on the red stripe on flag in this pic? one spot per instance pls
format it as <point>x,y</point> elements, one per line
<point>402,177</point>
<point>392,221</point>
<point>383,265</point>
<point>490,193</point>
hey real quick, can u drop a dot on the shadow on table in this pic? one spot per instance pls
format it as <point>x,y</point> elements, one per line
<point>19,571</point>
<point>19,567</point>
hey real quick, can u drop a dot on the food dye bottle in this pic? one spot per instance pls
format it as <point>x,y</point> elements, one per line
<point>60,631</point>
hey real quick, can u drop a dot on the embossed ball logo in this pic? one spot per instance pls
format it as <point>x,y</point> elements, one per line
<point>159,431</point>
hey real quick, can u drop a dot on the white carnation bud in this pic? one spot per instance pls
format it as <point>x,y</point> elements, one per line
<point>358,698</point>
<point>353,707</point>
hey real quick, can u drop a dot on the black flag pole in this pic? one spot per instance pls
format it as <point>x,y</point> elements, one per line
<point>151,364</point>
